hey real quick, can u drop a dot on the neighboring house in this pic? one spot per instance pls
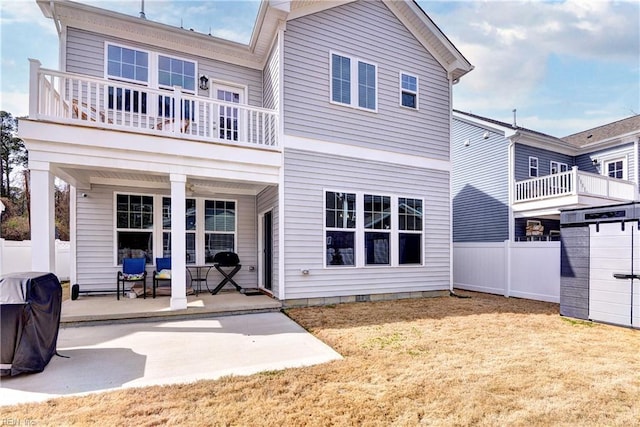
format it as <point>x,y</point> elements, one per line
<point>510,183</point>
<point>319,152</point>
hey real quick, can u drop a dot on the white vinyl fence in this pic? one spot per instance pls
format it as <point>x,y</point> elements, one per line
<point>518,269</point>
<point>15,257</point>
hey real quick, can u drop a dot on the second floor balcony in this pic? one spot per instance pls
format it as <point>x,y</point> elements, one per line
<point>573,188</point>
<point>76,99</point>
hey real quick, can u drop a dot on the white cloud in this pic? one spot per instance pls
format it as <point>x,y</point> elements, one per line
<point>511,44</point>
<point>16,103</point>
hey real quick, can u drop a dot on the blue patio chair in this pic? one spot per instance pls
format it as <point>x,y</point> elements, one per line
<point>133,271</point>
<point>161,273</point>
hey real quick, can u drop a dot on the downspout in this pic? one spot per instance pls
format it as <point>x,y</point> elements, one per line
<point>511,155</point>
<point>451,83</point>
<point>637,174</point>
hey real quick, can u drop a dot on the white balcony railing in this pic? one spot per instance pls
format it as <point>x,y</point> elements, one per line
<point>574,182</point>
<point>79,99</point>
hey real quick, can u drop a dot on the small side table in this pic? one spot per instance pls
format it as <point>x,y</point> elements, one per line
<point>198,276</point>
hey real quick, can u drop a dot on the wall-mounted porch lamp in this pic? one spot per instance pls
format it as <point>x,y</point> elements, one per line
<point>595,162</point>
<point>204,82</point>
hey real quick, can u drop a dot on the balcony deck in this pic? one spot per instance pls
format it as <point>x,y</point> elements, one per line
<point>75,99</point>
<point>573,188</point>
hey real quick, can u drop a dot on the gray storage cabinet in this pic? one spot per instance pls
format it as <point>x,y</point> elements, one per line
<point>600,264</point>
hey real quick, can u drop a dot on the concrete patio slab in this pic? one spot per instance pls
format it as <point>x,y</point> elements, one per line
<point>107,357</point>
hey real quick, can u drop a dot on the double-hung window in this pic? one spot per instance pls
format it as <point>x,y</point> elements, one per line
<point>377,225</point>
<point>219,227</point>
<point>533,167</point>
<point>176,72</point>
<point>557,167</point>
<point>408,90</point>
<point>353,82</point>
<point>190,228</point>
<point>340,224</point>
<point>129,65</point>
<point>409,231</point>
<point>134,226</point>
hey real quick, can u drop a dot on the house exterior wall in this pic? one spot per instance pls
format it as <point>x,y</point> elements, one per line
<point>265,201</point>
<point>369,31</point>
<point>308,175</point>
<point>271,78</point>
<point>96,248</point>
<point>626,152</point>
<point>85,55</point>
<point>479,184</point>
<point>522,154</point>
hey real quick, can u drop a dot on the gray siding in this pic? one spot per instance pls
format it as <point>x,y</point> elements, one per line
<point>96,246</point>
<point>585,161</point>
<point>522,153</point>
<point>369,31</point>
<point>574,272</point>
<point>271,78</point>
<point>479,185</point>
<point>268,200</point>
<point>85,55</point>
<point>307,175</point>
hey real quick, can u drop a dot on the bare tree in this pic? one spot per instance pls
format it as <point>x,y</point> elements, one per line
<point>13,153</point>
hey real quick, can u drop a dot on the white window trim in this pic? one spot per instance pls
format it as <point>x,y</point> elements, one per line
<point>354,82</point>
<point>558,167</point>
<point>356,242</point>
<point>416,93</point>
<point>359,230</point>
<point>157,56</point>
<point>625,165</point>
<point>150,74</point>
<point>537,167</point>
<point>114,224</point>
<point>242,116</point>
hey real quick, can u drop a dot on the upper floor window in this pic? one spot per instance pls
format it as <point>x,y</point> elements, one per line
<point>128,64</point>
<point>533,167</point>
<point>351,76</point>
<point>615,169</point>
<point>176,72</point>
<point>557,167</point>
<point>408,90</point>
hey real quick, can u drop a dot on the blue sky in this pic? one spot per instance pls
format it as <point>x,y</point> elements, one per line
<point>566,66</point>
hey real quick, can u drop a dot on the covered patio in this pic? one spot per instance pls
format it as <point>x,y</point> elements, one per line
<point>89,309</point>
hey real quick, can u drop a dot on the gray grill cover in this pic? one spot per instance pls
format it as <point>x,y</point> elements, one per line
<point>30,305</point>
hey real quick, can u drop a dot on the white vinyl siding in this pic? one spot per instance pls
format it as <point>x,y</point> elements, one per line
<point>355,30</point>
<point>309,175</point>
<point>96,238</point>
<point>85,54</point>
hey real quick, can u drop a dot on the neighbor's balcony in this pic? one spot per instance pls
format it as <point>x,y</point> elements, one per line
<point>78,99</point>
<point>574,187</point>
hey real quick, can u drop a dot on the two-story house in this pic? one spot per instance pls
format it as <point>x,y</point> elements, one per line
<point>510,183</point>
<point>319,152</point>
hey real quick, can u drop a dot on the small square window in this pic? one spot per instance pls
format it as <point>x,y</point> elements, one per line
<point>408,91</point>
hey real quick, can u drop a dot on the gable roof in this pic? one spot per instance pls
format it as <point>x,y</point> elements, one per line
<point>618,129</point>
<point>271,15</point>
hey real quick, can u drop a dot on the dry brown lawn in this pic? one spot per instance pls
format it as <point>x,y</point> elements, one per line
<point>485,360</point>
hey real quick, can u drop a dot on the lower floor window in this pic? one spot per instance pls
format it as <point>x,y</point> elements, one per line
<point>214,243</point>
<point>368,229</point>
<point>135,244</point>
<point>340,248</point>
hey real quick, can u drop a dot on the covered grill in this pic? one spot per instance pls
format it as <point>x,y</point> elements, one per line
<point>30,306</point>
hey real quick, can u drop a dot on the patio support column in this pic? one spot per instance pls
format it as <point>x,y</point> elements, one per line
<point>178,244</point>
<point>42,217</point>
